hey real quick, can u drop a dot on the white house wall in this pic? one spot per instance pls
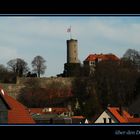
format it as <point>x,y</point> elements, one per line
<point>106,115</point>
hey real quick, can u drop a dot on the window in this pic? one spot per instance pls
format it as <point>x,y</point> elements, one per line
<point>110,120</point>
<point>104,120</point>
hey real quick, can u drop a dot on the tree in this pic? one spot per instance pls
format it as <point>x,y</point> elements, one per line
<point>18,66</point>
<point>6,76</point>
<point>33,94</point>
<point>38,65</point>
<point>30,94</point>
<point>114,83</point>
<point>133,56</point>
<point>3,68</point>
<point>84,93</point>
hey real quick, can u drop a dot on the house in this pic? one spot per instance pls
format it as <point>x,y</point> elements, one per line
<point>95,58</point>
<point>55,115</point>
<point>51,118</point>
<point>92,60</point>
<point>12,111</point>
<point>116,115</point>
<point>78,119</point>
<point>44,118</point>
<point>51,115</point>
<point>50,110</point>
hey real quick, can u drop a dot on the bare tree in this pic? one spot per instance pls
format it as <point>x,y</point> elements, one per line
<point>133,56</point>
<point>18,66</point>
<point>53,94</point>
<point>3,68</point>
<point>38,65</point>
<point>114,83</point>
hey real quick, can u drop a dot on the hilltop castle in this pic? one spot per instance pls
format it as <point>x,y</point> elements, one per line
<point>72,66</point>
<point>72,58</point>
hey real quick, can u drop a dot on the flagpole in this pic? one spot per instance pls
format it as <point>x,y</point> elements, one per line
<point>70,33</point>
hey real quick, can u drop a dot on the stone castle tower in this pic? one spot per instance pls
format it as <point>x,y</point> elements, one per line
<point>72,51</point>
<point>72,65</point>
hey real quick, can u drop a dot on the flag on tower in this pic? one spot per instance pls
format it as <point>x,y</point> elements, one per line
<point>69,29</point>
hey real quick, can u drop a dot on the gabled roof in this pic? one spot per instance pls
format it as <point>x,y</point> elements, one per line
<point>93,57</point>
<point>121,118</point>
<point>17,113</point>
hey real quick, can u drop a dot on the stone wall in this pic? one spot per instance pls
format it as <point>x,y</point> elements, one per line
<point>13,89</point>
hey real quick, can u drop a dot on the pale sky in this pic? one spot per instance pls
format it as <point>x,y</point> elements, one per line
<point>28,36</point>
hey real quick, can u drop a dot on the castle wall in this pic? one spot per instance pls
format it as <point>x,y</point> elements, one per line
<point>14,89</point>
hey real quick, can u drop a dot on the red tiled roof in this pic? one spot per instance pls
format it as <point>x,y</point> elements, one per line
<point>36,110</point>
<point>78,117</point>
<point>59,110</point>
<point>134,120</point>
<point>93,57</point>
<point>121,118</point>
<point>17,113</point>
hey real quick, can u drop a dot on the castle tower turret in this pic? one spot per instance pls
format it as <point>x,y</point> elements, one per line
<point>72,51</point>
<point>73,65</point>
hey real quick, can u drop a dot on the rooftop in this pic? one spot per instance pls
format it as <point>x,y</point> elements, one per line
<point>17,113</point>
<point>124,116</point>
<point>93,57</point>
<point>48,110</point>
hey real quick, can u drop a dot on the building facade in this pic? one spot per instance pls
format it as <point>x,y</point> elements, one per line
<point>116,115</point>
<point>93,59</point>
